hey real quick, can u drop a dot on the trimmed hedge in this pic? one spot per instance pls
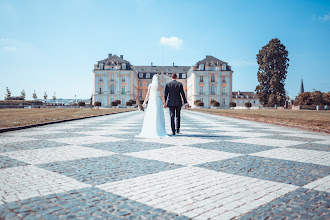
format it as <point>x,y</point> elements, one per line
<point>200,103</point>
<point>232,104</point>
<point>195,102</point>
<point>97,103</point>
<point>129,103</point>
<point>118,101</point>
<point>114,103</point>
<point>248,104</point>
<point>215,104</point>
<point>81,103</point>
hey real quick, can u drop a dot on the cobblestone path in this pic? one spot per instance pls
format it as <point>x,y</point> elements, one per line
<point>217,168</point>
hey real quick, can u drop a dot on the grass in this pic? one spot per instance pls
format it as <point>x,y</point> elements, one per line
<point>304,119</point>
<point>23,117</point>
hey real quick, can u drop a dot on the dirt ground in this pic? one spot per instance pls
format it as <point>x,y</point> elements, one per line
<point>23,117</point>
<point>304,119</point>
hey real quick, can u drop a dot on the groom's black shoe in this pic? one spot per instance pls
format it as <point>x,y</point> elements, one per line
<point>173,133</point>
<point>178,131</point>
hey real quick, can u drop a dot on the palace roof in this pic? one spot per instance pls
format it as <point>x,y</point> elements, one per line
<point>244,95</point>
<point>162,69</point>
<point>113,58</point>
<point>211,59</point>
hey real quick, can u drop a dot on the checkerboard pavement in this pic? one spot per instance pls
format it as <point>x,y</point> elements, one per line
<point>216,168</point>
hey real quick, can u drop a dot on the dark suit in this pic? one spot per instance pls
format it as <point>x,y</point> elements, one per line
<point>173,93</point>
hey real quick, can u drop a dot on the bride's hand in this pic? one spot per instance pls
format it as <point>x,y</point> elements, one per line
<point>144,105</point>
<point>165,106</point>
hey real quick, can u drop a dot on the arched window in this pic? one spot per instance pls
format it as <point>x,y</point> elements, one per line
<point>140,75</point>
<point>112,89</point>
<point>148,75</point>
<point>212,78</point>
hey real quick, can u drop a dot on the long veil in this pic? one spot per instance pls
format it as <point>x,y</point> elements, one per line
<point>153,89</point>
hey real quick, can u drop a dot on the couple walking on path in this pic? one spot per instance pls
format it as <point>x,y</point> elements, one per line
<point>154,120</point>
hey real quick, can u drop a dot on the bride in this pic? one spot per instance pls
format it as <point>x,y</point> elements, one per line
<point>154,121</point>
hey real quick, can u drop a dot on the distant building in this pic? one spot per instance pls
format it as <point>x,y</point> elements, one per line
<point>242,97</point>
<point>117,79</point>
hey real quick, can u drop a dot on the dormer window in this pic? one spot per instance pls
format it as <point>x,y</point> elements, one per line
<point>184,76</point>
<point>140,75</point>
<point>201,66</point>
<point>123,66</point>
<point>101,66</point>
<point>148,75</point>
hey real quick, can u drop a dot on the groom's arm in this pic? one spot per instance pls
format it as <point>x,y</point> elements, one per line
<point>166,92</point>
<point>183,95</point>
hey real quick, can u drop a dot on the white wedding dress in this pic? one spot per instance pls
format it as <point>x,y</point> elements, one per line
<point>154,120</point>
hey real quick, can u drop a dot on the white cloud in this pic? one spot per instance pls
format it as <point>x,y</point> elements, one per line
<point>173,42</point>
<point>10,49</point>
<point>325,17</point>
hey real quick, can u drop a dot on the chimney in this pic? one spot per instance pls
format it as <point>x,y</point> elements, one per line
<point>122,56</point>
<point>110,54</point>
<point>151,64</point>
<point>173,63</point>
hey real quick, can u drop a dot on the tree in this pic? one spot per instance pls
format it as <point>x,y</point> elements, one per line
<point>45,96</point>
<point>54,97</point>
<point>8,93</point>
<point>23,94</point>
<point>317,98</point>
<point>34,95</point>
<point>273,63</point>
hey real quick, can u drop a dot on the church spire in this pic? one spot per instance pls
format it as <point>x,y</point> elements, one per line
<point>302,87</point>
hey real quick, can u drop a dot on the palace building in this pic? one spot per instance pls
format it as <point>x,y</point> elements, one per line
<point>117,79</point>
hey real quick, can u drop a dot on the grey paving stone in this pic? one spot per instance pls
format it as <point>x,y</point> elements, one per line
<point>107,169</point>
<point>283,171</point>
<point>29,145</point>
<point>127,146</point>
<point>297,204</point>
<point>313,146</point>
<point>99,211</point>
<point>6,162</point>
<point>231,147</point>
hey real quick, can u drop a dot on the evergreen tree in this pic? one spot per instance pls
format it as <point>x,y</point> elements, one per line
<point>34,95</point>
<point>273,63</point>
<point>8,95</point>
<point>23,94</point>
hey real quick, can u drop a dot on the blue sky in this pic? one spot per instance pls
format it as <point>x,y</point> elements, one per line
<point>51,46</point>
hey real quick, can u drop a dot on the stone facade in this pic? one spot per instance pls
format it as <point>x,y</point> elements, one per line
<point>117,79</point>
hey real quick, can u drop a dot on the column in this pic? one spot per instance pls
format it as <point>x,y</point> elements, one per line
<point>106,95</point>
<point>218,83</point>
<point>207,90</point>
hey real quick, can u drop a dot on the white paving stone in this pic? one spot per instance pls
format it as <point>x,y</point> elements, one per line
<point>177,140</point>
<point>227,128</point>
<point>243,134</point>
<point>305,135</point>
<point>19,183</point>
<point>104,132</point>
<point>180,187</point>
<point>183,155</point>
<point>322,184</point>
<point>48,155</point>
<point>300,155</point>
<point>9,139</point>
<point>86,140</point>
<point>267,142</point>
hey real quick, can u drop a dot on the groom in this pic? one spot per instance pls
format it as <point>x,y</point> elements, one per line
<point>173,95</point>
